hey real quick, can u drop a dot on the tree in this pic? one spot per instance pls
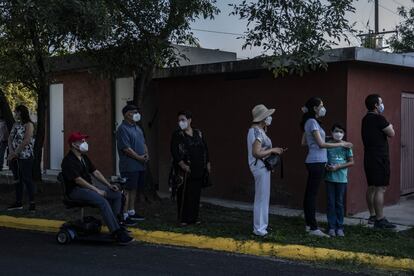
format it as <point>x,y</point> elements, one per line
<point>295,33</point>
<point>137,36</point>
<point>32,31</point>
<point>403,41</point>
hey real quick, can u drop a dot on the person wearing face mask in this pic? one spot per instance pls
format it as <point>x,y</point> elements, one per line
<point>259,147</point>
<point>133,157</point>
<point>192,162</point>
<point>339,160</point>
<point>314,138</point>
<point>77,169</point>
<point>375,132</point>
<point>21,144</point>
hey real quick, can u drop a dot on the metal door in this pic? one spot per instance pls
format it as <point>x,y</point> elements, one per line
<point>407,143</point>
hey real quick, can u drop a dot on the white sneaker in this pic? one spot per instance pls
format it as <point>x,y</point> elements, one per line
<point>340,233</point>
<point>318,233</point>
<point>260,234</point>
<point>332,233</point>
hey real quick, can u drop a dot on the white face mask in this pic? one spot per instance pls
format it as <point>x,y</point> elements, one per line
<point>338,136</point>
<point>136,117</point>
<point>84,147</point>
<point>322,112</point>
<point>381,108</point>
<point>268,121</point>
<point>183,124</point>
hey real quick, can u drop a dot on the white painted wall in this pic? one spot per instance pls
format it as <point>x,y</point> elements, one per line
<point>56,126</point>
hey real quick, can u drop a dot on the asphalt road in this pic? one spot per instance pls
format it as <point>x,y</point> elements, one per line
<point>34,253</point>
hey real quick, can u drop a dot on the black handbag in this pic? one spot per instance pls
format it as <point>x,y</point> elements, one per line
<point>272,162</point>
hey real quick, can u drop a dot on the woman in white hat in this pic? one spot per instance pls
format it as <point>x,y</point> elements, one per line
<point>259,146</point>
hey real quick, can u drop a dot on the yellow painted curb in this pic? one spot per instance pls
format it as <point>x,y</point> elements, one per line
<point>295,252</point>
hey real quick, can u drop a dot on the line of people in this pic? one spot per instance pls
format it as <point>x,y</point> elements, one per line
<point>328,160</point>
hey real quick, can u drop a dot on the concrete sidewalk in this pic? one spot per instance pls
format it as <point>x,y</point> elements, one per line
<point>402,214</point>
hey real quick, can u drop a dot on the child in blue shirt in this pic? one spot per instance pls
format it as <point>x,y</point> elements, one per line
<point>339,160</point>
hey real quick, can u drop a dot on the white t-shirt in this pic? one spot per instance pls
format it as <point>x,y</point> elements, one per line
<point>256,133</point>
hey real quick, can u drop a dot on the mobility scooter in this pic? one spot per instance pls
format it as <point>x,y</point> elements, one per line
<point>85,228</point>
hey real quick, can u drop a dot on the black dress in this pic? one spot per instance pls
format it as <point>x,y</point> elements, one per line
<point>193,151</point>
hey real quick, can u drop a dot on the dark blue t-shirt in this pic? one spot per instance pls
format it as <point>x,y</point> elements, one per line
<point>130,136</point>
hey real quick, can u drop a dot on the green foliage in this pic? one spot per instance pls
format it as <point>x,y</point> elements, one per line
<point>295,33</point>
<point>403,41</point>
<point>18,94</point>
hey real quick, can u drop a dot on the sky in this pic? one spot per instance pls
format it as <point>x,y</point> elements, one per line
<point>223,32</point>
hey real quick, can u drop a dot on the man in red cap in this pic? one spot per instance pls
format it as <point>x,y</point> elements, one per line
<point>77,169</point>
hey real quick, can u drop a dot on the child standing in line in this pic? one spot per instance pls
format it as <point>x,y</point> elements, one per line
<point>339,160</point>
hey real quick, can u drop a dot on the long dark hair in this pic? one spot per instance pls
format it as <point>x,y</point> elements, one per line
<point>24,114</point>
<point>309,112</point>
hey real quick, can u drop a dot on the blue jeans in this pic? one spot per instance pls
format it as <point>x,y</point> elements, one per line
<point>335,212</point>
<point>110,205</point>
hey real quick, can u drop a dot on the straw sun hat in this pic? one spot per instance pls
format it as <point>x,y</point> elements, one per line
<point>261,112</point>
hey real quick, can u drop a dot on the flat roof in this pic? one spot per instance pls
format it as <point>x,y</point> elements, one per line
<point>335,55</point>
<point>80,63</point>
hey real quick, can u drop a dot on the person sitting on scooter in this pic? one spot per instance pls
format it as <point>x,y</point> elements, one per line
<point>77,169</point>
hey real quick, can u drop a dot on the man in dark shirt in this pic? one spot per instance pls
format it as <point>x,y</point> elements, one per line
<point>375,133</point>
<point>77,169</point>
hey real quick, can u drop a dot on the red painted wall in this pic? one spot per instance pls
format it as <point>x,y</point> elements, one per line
<point>221,106</point>
<point>389,82</point>
<point>88,109</point>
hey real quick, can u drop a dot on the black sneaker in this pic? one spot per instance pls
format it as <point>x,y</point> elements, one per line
<point>371,219</point>
<point>129,222</point>
<point>136,217</point>
<point>32,207</point>
<point>15,206</point>
<point>122,237</point>
<point>384,224</point>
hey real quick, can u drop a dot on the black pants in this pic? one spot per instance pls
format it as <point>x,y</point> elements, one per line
<point>188,201</point>
<point>316,173</point>
<point>25,179</point>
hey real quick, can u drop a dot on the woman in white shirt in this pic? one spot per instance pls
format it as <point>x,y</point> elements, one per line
<point>259,147</point>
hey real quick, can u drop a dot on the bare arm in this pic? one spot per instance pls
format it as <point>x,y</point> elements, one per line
<point>259,153</point>
<point>102,179</point>
<point>323,144</point>
<point>336,167</point>
<point>304,143</point>
<point>131,153</point>
<point>389,131</point>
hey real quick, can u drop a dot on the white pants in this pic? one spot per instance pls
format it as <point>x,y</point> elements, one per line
<point>261,200</point>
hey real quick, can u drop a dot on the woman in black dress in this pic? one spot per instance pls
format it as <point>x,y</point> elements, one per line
<point>192,165</point>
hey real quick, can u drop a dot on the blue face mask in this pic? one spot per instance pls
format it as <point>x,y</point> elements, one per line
<point>381,108</point>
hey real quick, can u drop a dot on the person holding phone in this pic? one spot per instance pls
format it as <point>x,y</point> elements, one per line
<point>259,147</point>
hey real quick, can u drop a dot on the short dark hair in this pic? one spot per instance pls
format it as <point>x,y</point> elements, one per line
<point>371,101</point>
<point>185,113</point>
<point>339,126</point>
